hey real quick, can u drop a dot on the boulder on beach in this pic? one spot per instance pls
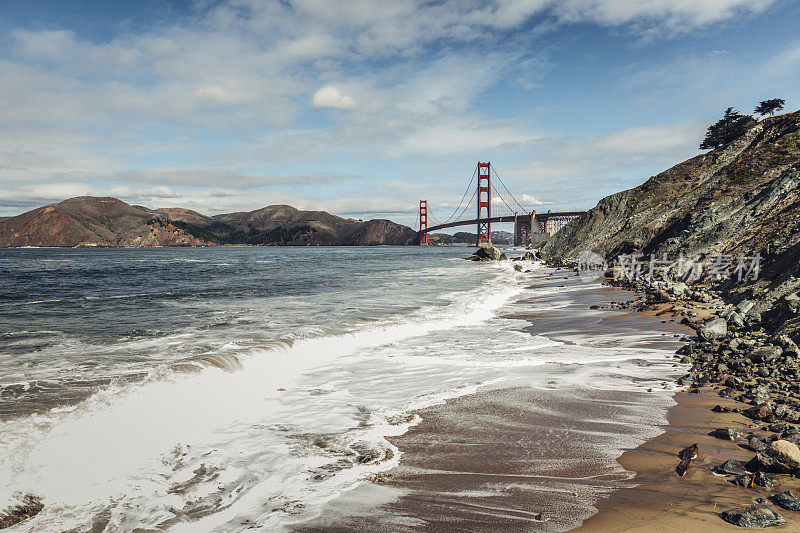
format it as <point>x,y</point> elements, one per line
<point>786,452</point>
<point>759,515</point>
<point>765,354</point>
<point>787,500</point>
<point>760,479</point>
<point>726,433</point>
<point>487,253</point>
<point>712,330</point>
<point>731,467</point>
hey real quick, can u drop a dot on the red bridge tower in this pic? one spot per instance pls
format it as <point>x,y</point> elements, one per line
<point>484,203</point>
<point>423,222</point>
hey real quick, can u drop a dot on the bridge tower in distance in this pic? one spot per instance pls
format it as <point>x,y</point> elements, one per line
<point>423,222</point>
<point>484,203</point>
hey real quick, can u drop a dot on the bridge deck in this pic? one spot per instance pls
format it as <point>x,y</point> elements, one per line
<point>540,217</point>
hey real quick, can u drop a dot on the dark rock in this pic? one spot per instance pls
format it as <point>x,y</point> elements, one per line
<point>763,462</point>
<point>764,480</point>
<point>487,253</point>
<point>758,412</point>
<point>752,318</point>
<point>787,500</point>
<point>662,296</point>
<point>731,468</point>
<point>518,268</point>
<point>760,479</point>
<point>759,515</point>
<point>765,354</point>
<point>756,444</point>
<point>726,433</point>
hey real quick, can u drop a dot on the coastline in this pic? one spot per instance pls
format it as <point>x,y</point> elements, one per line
<point>518,456</point>
<point>663,501</point>
<point>472,464</point>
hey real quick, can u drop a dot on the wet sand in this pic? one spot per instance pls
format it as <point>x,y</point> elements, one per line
<point>662,501</point>
<point>526,459</point>
<point>499,460</point>
<point>516,458</point>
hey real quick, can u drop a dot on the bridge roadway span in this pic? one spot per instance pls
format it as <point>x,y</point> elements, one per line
<point>540,217</point>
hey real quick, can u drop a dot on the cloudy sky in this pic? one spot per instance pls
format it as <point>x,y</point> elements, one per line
<point>364,107</point>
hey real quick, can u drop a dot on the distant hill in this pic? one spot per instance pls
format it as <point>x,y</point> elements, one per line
<point>93,221</point>
<point>460,237</point>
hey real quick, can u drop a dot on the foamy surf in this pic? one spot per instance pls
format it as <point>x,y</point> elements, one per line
<point>265,409</point>
<point>142,453</point>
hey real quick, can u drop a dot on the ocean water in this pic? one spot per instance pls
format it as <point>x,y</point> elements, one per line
<point>234,389</point>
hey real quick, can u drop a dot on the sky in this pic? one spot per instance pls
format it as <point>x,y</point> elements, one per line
<point>363,108</point>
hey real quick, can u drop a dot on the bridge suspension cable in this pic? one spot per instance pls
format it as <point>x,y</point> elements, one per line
<point>468,204</point>
<point>451,217</point>
<point>435,218</point>
<point>503,199</point>
<point>508,191</point>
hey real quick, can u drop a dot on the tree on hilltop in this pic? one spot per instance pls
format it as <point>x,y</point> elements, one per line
<point>768,107</point>
<point>727,129</point>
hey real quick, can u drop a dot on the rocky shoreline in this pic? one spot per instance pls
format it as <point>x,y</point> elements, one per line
<point>740,354</point>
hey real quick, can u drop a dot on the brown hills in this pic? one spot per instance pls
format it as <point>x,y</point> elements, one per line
<point>93,221</point>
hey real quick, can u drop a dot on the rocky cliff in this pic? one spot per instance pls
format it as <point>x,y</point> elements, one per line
<point>90,221</point>
<point>743,198</point>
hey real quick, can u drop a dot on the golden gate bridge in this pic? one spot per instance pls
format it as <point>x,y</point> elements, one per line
<point>526,223</point>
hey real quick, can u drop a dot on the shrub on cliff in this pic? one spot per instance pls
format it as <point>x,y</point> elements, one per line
<point>768,107</point>
<point>727,129</point>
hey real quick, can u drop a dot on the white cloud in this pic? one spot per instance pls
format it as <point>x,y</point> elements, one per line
<point>329,97</point>
<point>211,101</point>
<point>654,139</point>
<point>528,200</point>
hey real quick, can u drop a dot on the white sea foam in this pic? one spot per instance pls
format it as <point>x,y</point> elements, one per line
<point>229,449</point>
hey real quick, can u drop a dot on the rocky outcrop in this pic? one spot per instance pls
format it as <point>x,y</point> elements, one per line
<point>90,221</point>
<point>759,515</point>
<point>742,199</point>
<point>739,198</point>
<point>487,253</point>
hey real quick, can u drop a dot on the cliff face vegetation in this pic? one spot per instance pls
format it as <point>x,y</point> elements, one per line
<point>90,221</point>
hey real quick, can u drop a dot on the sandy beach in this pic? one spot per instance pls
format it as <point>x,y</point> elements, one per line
<point>662,501</point>
<point>507,459</point>
<point>516,458</point>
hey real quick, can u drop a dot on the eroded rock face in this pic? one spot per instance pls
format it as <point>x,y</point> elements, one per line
<point>759,515</point>
<point>742,199</point>
<point>28,507</point>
